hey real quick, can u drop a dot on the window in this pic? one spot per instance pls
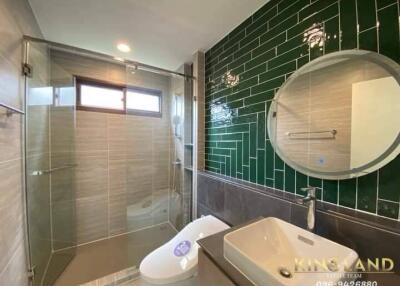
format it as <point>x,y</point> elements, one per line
<point>144,102</point>
<point>101,97</point>
<point>93,95</point>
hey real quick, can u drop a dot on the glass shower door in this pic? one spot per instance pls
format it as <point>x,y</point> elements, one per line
<point>49,166</point>
<point>37,158</point>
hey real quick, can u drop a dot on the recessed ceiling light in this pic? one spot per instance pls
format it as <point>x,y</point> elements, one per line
<point>124,48</point>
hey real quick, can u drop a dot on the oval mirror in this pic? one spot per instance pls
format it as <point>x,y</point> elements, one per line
<point>338,117</point>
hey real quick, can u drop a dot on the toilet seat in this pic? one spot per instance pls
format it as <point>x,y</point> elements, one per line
<point>177,259</point>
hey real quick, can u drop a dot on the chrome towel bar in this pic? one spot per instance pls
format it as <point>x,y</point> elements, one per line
<point>44,172</point>
<point>333,132</point>
<point>11,110</point>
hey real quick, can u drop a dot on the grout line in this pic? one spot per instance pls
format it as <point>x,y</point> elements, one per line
<point>113,236</point>
<point>384,7</point>
<point>338,191</point>
<point>46,268</point>
<point>108,173</point>
<point>356,203</point>
<point>50,185</point>
<point>10,260</point>
<point>389,201</point>
<point>377,27</point>
<point>399,213</point>
<point>368,29</point>
<point>13,160</point>
<point>377,191</point>
<point>358,27</point>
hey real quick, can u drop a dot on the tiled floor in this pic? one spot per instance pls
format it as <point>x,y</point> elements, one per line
<point>107,257</point>
<point>131,277</point>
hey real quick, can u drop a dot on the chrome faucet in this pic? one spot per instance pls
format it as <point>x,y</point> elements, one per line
<point>310,202</point>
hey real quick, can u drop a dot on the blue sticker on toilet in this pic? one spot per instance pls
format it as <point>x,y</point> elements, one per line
<point>182,248</point>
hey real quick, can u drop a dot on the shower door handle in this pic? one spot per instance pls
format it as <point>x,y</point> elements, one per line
<point>45,172</point>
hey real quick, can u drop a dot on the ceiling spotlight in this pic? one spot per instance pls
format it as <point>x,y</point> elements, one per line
<point>124,48</point>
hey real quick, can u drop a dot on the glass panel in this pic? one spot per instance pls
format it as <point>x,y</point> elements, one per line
<point>66,96</point>
<point>102,97</point>
<point>49,129</point>
<point>182,151</point>
<point>38,100</point>
<point>158,187</point>
<point>134,154</point>
<point>142,101</point>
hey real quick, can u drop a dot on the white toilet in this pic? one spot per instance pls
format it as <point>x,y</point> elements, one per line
<point>176,261</point>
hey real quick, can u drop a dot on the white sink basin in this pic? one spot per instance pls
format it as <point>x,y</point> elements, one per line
<point>267,250</point>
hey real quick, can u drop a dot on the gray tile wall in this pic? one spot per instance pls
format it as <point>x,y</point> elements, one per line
<point>16,19</point>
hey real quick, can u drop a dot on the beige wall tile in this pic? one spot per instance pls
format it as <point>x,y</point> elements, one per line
<point>161,174</point>
<point>10,137</point>
<point>92,218</point>
<point>16,19</point>
<point>91,174</point>
<point>63,181</point>
<point>91,131</point>
<point>14,273</point>
<point>116,132</point>
<point>37,139</point>
<point>64,224</point>
<point>140,176</point>
<point>11,213</point>
<point>118,213</point>
<point>10,82</point>
<point>62,122</point>
<point>139,210</point>
<point>118,170</point>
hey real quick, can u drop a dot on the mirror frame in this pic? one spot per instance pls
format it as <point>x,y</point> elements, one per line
<point>391,153</point>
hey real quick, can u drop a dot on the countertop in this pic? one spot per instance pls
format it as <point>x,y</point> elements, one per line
<point>213,247</point>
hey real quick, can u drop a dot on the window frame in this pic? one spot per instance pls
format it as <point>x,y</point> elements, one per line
<point>124,88</point>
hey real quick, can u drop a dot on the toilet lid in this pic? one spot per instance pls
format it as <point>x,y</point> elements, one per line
<point>163,266</point>
<point>177,259</point>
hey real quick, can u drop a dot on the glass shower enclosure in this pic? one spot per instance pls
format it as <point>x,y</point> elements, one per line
<point>91,176</point>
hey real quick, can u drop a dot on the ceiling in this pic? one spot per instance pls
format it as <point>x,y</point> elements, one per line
<point>163,33</point>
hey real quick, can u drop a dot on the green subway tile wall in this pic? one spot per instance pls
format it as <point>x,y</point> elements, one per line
<point>261,53</point>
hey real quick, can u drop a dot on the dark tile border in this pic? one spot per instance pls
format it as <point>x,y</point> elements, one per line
<point>381,223</point>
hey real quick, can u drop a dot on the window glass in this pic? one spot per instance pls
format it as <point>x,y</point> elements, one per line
<point>101,97</point>
<point>141,101</point>
<point>66,96</point>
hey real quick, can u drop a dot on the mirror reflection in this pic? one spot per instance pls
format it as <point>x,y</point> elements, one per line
<point>338,116</point>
